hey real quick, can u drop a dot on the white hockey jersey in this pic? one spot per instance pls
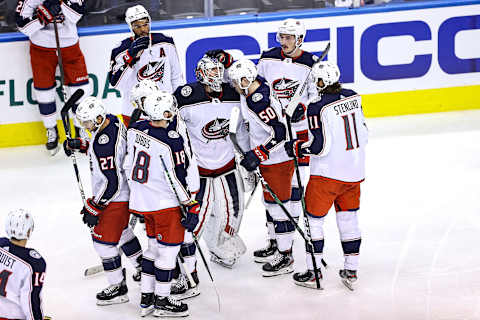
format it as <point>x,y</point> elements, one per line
<point>338,136</point>
<point>44,36</point>
<point>150,189</point>
<point>107,151</point>
<point>22,272</point>
<point>266,123</point>
<point>285,75</point>
<point>207,120</point>
<point>160,63</point>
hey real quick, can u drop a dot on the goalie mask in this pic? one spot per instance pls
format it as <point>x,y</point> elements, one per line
<point>19,224</point>
<point>210,72</point>
<point>327,71</point>
<point>160,105</point>
<point>293,27</point>
<point>242,69</point>
<point>141,90</point>
<point>88,112</point>
<point>136,13</point>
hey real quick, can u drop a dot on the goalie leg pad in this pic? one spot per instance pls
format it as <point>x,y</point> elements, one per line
<point>316,230</point>
<point>350,235</point>
<point>111,261</point>
<point>206,199</point>
<point>164,268</point>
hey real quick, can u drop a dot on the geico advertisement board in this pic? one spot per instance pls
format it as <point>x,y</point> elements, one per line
<point>377,52</point>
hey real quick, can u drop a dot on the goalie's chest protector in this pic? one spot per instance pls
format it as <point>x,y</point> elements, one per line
<point>207,121</point>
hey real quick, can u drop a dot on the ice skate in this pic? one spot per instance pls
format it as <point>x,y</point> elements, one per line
<point>113,294</point>
<point>52,141</point>
<point>349,278</point>
<point>227,263</point>
<point>169,307</point>
<point>182,289</point>
<point>307,279</point>
<point>266,254</point>
<point>147,304</point>
<point>281,263</point>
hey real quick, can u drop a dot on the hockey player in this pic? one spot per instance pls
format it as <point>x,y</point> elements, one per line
<point>285,68</point>
<point>205,107</point>
<point>23,270</point>
<point>106,212</point>
<point>263,113</point>
<point>337,150</point>
<point>156,149</point>
<point>35,19</point>
<point>143,55</point>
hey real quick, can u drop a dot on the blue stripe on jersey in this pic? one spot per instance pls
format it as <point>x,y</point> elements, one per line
<point>105,155</point>
<point>306,58</point>
<point>261,106</point>
<point>47,108</point>
<point>23,21</point>
<point>199,94</point>
<point>201,191</point>
<point>232,185</point>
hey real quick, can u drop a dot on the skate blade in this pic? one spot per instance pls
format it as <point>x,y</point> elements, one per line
<point>308,284</point>
<point>145,311</point>
<point>189,294</point>
<point>116,300</point>
<point>54,151</point>
<point>169,314</point>
<point>263,259</point>
<point>286,270</point>
<point>348,284</point>
<point>89,272</point>
<point>223,264</point>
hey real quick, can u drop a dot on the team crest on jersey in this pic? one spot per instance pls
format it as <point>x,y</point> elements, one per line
<point>35,254</point>
<point>103,139</point>
<point>216,129</point>
<point>257,97</point>
<point>285,88</point>
<point>173,134</point>
<point>186,91</point>
<point>154,70</point>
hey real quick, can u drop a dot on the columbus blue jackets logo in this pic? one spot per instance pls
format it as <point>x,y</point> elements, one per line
<point>285,88</point>
<point>154,70</point>
<point>216,129</point>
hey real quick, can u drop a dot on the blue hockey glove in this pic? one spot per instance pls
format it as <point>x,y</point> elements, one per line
<point>91,213</point>
<point>191,220</point>
<point>294,148</point>
<point>76,144</point>
<point>136,46</point>
<point>298,113</point>
<point>47,11</point>
<point>253,158</point>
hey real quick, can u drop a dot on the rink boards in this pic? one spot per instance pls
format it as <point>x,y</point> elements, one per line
<point>403,59</point>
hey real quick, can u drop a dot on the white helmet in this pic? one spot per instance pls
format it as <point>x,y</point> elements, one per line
<point>141,90</point>
<point>327,71</point>
<point>294,27</point>
<point>156,104</point>
<point>243,68</point>
<point>210,72</point>
<point>136,13</point>
<point>19,224</point>
<point>89,109</point>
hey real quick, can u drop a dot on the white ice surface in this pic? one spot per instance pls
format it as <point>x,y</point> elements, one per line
<point>419,218</point>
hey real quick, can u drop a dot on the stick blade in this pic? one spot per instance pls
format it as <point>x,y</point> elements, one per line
<point>71,102</point>
<point>89,272</point>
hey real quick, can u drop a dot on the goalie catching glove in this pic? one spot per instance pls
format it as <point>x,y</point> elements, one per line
<point>190,221</point>
<point>91,212</point>
<point>76,144</point>
<point>47,11</point>
<point>222,56</point>
<point>294,148</point>
<point>253,158</point>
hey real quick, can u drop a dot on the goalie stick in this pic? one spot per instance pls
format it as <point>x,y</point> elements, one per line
<point>233,137</point>
<point>193,234</point>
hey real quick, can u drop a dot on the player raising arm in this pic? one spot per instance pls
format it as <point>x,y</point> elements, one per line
<point>337,168</point>
<point>22,270</point>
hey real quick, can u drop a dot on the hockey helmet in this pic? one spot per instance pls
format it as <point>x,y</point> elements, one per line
<point>88,111</point>
<point>141,90</point>
<point>19,224</point>
<point>243,68</point>
<point>327,71</point>
<point>160,105</point>
<point>210,72</point>
<point>293,27</point>
<point>136,13</point>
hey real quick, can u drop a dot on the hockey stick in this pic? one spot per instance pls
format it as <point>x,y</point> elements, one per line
<point>60,61</point>
<point>233,137</point>
<point>251,195</point>
<point>194,236</point>
<point>66,125</point>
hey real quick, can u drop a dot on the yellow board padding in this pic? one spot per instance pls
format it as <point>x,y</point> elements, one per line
<point>421,101</point>
<point>374,105</point>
